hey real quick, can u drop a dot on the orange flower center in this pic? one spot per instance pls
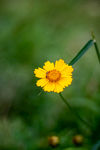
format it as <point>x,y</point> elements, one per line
<point>53,75</point>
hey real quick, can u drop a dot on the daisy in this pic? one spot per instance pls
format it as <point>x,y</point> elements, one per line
<point>54,77</point>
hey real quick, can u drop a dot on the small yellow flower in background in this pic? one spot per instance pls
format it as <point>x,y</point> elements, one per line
<point>54,77</point>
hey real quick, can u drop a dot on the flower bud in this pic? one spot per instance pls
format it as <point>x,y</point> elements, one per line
<point>53,141</point>
<point>78,140</point>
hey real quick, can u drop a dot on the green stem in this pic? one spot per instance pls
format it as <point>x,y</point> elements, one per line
<point>74,112</point>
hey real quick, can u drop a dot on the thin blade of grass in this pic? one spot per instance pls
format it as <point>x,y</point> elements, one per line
<point>81,52</point>
<point>96,46</point>
<point>97,50</point>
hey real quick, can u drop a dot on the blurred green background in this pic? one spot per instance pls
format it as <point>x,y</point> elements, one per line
<point>31,32</point>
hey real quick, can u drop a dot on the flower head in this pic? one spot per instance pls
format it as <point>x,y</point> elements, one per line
<point>54,77</point>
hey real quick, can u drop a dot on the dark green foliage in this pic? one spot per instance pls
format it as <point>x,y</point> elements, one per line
<point>32,32</point>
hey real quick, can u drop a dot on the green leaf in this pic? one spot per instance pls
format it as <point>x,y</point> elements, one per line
<point>81,52</point>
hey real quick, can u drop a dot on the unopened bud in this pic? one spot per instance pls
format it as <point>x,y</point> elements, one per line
<point>78,140</point>
<point>53,141</point>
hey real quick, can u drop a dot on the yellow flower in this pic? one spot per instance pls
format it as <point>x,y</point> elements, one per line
<point>54,77</point>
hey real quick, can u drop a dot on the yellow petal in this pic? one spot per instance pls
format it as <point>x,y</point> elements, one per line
<point>49,87</point>
<point>48,66</point>
<point>58,88</point>
<point>64,82</point>
<point>42,82</point>
<point>60,65</point>
<point>40,73</point>
<point>67,71</point>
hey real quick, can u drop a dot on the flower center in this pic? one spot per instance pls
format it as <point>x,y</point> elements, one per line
<point>53,75</point>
